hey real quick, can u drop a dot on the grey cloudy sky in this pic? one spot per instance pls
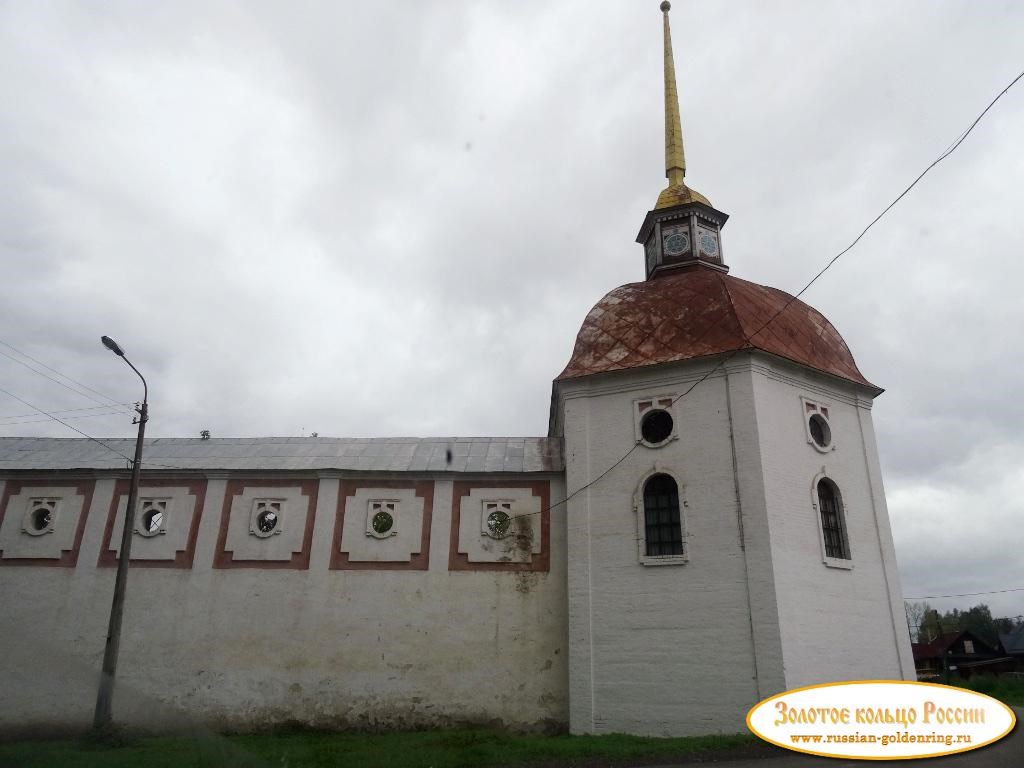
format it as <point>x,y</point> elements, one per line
<point>373,219</point>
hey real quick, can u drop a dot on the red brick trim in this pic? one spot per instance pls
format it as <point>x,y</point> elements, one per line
<point>183,558</point>
<point>222,558</point>
<point>458,561</point>
<point>419,562</point>
<point>68,557</point>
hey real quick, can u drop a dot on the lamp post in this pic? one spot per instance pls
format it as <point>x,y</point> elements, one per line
<point>105,695</point>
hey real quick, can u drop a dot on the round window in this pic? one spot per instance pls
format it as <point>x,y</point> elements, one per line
<point>498,523</point>
<point>41,519</point>
<point>656,426</point>
<point>266,521</point>
<point>151,521</point>
<point>382,522</point>
<point>820,432</point>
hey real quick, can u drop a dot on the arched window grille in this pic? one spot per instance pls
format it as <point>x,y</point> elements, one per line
<point>663,530</point>
<point>832,525</point>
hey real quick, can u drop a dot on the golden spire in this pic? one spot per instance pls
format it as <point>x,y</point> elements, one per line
<point>677,192</point>
<point>675,159</point>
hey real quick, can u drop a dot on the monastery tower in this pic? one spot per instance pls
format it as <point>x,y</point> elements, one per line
<point>730,538</point>
<point>703,526</point>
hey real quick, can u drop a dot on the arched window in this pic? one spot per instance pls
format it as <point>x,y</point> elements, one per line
<point>833,529</point>
<point>663,530</point>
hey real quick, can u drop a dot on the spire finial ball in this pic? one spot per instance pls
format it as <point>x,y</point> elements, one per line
<point>666,6</point>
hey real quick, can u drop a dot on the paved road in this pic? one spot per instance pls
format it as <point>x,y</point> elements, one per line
<point>1006,753</point>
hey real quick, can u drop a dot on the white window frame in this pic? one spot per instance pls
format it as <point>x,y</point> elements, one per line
<point>808,408</point>
<point>254,528</point>
<point>381,506</point>
<point>140,523</point>
<point>832,562</point>
<point>663,402</point>
<point>506,505</point>
<point>641,521</point>
<point>27,523</point>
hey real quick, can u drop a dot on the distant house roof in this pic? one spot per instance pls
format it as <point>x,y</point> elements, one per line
<point>1013,642</point>
<point>379,454</point>
<point>944,642</point>
<point>936,647</point>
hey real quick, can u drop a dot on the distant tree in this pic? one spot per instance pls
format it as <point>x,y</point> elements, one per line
<point>1008,624</point>
<point>932,625</point>
<point>926,624</point>
<point>978,620</point>
<point>916,611</point>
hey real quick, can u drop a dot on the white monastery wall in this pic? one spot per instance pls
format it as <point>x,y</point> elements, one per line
<point>656,649</point>
<point>839,619</point>
<point>315,628</point>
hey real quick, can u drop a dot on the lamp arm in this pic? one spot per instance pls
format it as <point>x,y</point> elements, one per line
<point>145,386</point>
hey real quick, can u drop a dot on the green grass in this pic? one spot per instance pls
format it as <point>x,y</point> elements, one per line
<point>467,748</point>
<point>1006,690</point>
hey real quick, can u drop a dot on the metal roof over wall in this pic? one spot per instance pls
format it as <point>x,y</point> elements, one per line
<point>378,454</point>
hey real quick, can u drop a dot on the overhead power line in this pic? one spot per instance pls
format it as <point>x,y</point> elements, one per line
<point>59,421</point>
<point>946,153</point>
<point>66,410</point>
<point>942,156</point>
<point>56,381</point>
<point>968,594</point>
<point>80,416</point>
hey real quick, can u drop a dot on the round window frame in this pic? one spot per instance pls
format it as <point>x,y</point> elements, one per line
<point>386,532</point>
<point>144,530</point>
<point>828,443</point>
<point>495,530</point>
<point>645,418</point>
<point>34,519</point>
<point>258,531</point>
<point>29,520</point>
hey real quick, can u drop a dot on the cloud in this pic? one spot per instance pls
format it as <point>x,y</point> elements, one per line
<point>384,219</point>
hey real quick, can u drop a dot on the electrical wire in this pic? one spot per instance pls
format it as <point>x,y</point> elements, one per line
<point>41,421</point>
<point>88,436</point>
<point>65,410</point>
<point>942,156</point>
<point>55,381</point>
<point>968,594</point>
<point>69,426</point>
<point>14,422</point>
<point>54,370</point>
<point>946,153</point>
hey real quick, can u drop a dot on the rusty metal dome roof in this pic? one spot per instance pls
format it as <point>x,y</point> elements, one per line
<point>696,311</point>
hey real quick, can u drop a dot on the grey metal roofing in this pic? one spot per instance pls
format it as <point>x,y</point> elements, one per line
<point>1013,642</point>
<point>374,454</point>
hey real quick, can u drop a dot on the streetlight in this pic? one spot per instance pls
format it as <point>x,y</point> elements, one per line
<point>105,695</point>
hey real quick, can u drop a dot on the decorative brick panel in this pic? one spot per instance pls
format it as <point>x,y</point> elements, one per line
<point>420,561</point>
<point>459,561</point>
<point>68,557</point>
<point>225,558</point>
<point>183,558</point>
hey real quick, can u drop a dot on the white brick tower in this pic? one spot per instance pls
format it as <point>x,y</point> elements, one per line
<point>730,537</point>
